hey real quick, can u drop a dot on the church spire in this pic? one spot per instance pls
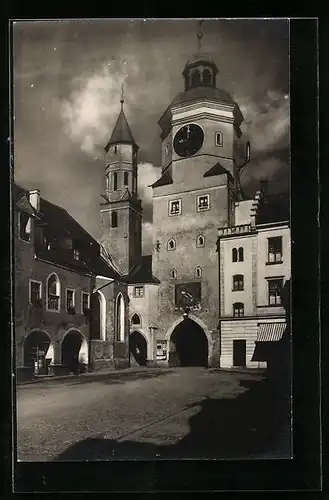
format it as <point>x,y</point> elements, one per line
<point>122,96</point>
<point>122,133</point>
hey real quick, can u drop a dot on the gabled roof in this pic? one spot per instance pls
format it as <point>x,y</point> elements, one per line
<point>217,169</point>
<point>142,272</point>
<point>24,205</point>
<point>122,133</point>
<point>273,208</point>
<point>164,180</point>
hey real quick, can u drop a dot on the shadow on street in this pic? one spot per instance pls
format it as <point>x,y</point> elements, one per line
<point>253,424</point>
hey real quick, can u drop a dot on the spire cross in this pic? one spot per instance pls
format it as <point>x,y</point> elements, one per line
<point>200,36</point>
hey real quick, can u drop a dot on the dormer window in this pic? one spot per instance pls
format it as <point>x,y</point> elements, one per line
<point>76,254</point>
<point>219,139</point>
<point>24,226</point>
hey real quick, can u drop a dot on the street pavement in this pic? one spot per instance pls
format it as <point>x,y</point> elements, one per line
<point>150,413</point>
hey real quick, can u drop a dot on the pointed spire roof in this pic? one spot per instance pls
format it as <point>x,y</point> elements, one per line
<point>122,133</point>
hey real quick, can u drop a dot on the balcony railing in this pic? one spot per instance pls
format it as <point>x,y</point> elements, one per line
<point>240,229</point>
<point>53,302</point>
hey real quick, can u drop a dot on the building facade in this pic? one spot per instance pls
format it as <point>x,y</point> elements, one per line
<point>67,296</point>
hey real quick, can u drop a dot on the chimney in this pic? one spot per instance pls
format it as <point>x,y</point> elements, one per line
<point>34,197</point>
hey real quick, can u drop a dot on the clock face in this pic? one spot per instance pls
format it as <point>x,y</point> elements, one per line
<point>188,140</point>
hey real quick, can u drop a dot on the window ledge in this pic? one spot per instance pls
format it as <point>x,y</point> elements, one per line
<point>274,263</point>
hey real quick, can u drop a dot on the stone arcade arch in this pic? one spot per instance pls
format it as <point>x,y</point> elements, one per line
<point>190,343</point>
<point>74,350</point>
<point>137,348</point>
<point>38,341</point>
<point>120,318</point>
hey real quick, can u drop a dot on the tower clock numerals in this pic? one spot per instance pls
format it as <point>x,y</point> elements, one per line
<point>188,140</point>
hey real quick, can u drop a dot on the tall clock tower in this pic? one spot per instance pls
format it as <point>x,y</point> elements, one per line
<point>202,152</point>
<point>121,211</point>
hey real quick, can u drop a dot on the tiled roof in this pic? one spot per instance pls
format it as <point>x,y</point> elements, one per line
<point>200,92</point>
<point>121,132</point>
<point>217,169</point>
<point>164,180</point>
<point>142,271</point>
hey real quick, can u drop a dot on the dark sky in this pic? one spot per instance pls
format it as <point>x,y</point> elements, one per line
<point>68,76</point>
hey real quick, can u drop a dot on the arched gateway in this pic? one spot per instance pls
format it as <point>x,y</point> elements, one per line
<point>188,344</point>
<point>138,348</point>
<point>74,351</point>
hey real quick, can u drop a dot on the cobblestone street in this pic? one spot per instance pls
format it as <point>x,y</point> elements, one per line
<point>147,413</point>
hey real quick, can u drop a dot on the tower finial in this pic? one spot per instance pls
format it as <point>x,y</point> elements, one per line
<point>200,36</point>
<point>122,96</point>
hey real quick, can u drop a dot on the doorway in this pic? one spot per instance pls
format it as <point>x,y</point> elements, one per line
<point>239,353</point>
<point>138,348</point>
<point>188,345</point>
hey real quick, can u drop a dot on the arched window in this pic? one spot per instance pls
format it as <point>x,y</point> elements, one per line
<point>238,282</point>
<point>195,78</point>
<point>107,183</point>
<point>135,320</point>
<point>240,253</point>
<point>171,244</point>
<point>120,319</point>
<point>234,255</point>
<point>248,150</point>
<point>125,178</point>
<point>114,219</point>
<point>53,293</point>
<point>206,77</point>
<point>198,272</point>
<point>219,139</point>
<point>200,241</point>
<point>238,309</point>
<point>173,274</point>
<point>115,181</point>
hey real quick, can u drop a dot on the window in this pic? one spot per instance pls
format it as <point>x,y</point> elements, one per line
<point>240,254</point>
<point>167,149</point>
<point>238,309</point>
<point>274,291</point>
<point>234,255</point>
<point>171,244</point>
<point>206,77</point>
<point>53,293</point>
<point>173,274</point>
<point>70,300</point>
<point>203,202</point>
<point>114,219</point>
<point>198,272</point>
<point>274,250</point>
<point>135,320</point>
<point>76,254</point>
<point>175,207</point>
<point>115,181</point>
<point>195,78</point>
<point>200,241</point>
<point>125,178</point>
<point>219,139</point>
<point>85,302</point>
<point>107,178</point>
<point>139,291</point>
<point>237,282</point>
<point>35,293</point>
<point>248,151</point>
<point>115,149</point>
<point>24,226</point>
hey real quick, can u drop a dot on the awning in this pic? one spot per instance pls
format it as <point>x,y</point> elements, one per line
<point>270,332</point>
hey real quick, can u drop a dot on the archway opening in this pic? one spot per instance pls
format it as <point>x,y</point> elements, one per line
<point>38,351</point>
<point>138,348</point>
<point>74,356</point>
<point>188,345</point>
